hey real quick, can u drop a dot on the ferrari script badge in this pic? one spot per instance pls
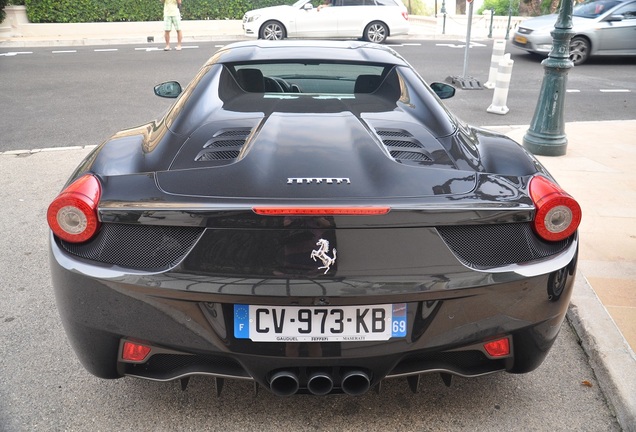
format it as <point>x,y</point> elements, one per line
<point>318,180</point>
<point>321,254</point>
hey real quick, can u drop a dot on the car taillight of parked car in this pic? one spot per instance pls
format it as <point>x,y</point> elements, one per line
<point>72,215</point>
<point>558,215</point>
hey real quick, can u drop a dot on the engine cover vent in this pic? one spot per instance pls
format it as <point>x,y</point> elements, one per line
<point>225,145</point>
<point>404,147</point>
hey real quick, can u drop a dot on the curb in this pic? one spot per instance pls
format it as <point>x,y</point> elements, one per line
<point>609,355</point>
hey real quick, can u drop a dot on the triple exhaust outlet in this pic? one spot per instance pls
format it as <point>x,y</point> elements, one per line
<point>286,383</point>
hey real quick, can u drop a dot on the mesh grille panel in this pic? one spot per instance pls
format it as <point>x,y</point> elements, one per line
<point>225,143</point>
<point>407,155</point>
<point>218,155</point>
<point>393,133</point>
<point>144,247</point>
<point>485,246</point>
<point>396,143</point>
<point>234,132</point>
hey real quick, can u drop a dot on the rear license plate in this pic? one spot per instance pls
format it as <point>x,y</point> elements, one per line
<point>521,39</point>
<point>319,324</point>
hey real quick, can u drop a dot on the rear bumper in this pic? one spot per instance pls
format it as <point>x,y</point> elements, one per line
<point>190,324</point>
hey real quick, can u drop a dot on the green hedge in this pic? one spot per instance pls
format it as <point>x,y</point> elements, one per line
<point>73,11</point>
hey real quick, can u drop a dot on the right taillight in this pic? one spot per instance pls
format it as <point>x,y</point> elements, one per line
<point>558,215</point>
<point>72,215</point>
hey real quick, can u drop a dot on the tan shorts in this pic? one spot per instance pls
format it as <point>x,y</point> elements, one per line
<point>170,21</point>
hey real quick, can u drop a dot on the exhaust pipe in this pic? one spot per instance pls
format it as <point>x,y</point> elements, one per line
<point>319,383</point>
<point>284,383</point>
<point>355,382</point>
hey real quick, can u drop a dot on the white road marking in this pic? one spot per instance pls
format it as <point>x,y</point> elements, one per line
<point>15,53</point>
<point>64,52</point>
<point>472,44</point>
<point>149,49</point>
<point>48,149</point>
<point>615,91</point>
<point>106,50</point>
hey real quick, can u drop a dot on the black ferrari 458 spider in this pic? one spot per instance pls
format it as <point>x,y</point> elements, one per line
<point>310,217</point>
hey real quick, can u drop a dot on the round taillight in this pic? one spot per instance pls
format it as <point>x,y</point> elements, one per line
<point>558,215</point>
<point>72,215</point>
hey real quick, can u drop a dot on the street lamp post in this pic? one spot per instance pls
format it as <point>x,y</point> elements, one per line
<point>509,19</point>
<point>443,11</point>
<point>546,135</point>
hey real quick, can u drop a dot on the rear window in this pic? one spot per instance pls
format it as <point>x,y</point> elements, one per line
<point>316,78</point>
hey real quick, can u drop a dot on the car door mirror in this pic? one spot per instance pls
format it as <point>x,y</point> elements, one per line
<point>442,90</point>
<point>614,18</point>
<point>170,89</point>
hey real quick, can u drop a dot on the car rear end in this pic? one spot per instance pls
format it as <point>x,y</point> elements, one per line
<point>314,295</point>
<point>312,242</point>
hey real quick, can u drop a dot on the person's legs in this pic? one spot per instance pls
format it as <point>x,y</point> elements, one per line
<point>179,38</point>
<point>167,26</point>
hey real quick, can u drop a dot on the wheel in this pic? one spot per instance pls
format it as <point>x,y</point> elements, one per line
<point>579,50</point>
<point>272,30</point>
<point>376,32</point>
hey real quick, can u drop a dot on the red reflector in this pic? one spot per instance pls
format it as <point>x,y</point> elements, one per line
<point>498,348</point>
<point>134,352</point>
<point>321,211</point>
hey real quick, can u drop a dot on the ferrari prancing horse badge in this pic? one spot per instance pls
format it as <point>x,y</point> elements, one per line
<point>321,254</point>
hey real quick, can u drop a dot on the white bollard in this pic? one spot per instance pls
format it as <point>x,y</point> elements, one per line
<point>498,50</point>
<point>500,96</point>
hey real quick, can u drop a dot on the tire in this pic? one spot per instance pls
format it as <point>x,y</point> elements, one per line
<point>376,32</point>
<point>272,30</point>
<point>579,50</point>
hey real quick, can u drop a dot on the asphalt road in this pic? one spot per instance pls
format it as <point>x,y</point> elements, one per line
<point>58,97</point>
<point>79,101</point>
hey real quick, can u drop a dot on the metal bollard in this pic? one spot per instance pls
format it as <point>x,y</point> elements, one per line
<point>498,50</point>
<point>500,96</point>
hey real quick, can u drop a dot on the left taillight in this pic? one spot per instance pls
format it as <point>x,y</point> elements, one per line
<point>72,215</point>
<point>558,215</point>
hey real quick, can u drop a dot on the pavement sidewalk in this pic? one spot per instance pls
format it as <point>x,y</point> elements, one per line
<point>598,171</point>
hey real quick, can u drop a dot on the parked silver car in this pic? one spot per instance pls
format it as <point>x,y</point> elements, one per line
<point>601,27</point>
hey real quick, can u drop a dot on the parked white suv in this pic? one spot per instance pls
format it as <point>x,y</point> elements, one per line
<point>371,20</point>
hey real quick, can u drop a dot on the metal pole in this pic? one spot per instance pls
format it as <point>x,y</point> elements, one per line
<point>443,11</point>
<point>509,19</point>
<point>492,14</point>
<point>470,22</point>
<point>546,135</point>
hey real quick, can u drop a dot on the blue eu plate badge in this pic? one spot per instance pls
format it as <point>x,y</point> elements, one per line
<point>241,321</point>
